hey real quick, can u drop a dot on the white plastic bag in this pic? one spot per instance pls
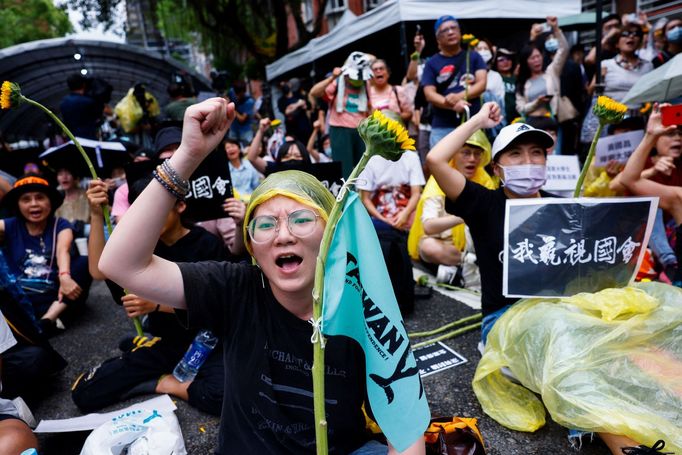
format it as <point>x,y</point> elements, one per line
<point>137,432</point>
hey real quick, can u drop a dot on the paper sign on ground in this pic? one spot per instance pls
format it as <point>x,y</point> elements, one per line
<point>436,357</point>
<point>560,247</point>
<point>87,422</point>
<point>618,147</point>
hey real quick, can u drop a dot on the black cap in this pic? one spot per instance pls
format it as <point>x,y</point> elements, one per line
<point>167,136</point>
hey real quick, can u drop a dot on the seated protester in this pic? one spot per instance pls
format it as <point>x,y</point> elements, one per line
<point>245,178</point>
<point>519,160</point>
<point>75,208</point>
<point>146,365</point>
<point>260,312</point>
<point>390,191</point>
<point>165,142</point>
<point>292,154</point>
<point>669,193</point>
<point>15,434</point>
<point>37,245</point>
<point>440,239</point>
<point>319,148</point>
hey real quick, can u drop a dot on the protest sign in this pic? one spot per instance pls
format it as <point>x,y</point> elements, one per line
<point>209,185</point>
<point>618,147</point>
<point>560,247</point>
<point>562,173</point>
<point>436,357</point>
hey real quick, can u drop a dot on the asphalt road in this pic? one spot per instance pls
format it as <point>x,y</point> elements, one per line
<point>95,336</point>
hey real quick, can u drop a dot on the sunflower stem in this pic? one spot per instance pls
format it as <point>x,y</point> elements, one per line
<point>454,333</point>
<point>588,160</point>
<point>318,294</point>
<point>93,173</point>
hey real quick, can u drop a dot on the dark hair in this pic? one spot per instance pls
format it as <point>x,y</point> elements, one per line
<point>239,86</point>
<point>76,81</point>
<point>611,17</point>
<point>284,148</point>
<point>229,140</point>
<point>543,123</point>
<point>524,69</point>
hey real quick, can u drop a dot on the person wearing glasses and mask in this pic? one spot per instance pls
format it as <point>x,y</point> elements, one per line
<point>260,312</point>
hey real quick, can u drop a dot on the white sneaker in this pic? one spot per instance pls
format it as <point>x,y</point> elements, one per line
<point>25,413</point>
<point>446,273</point>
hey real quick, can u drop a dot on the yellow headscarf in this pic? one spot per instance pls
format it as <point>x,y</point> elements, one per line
<point>297,185</point>
<point>478,139</point>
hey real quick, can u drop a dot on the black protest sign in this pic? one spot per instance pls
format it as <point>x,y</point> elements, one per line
<point>561,247</point>
<point>209,185</point>
<point>436,357</point>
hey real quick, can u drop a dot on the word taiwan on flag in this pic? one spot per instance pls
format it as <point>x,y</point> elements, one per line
<point>359,303</point>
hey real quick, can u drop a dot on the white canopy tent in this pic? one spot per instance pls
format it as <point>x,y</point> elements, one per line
<point>395,11</point>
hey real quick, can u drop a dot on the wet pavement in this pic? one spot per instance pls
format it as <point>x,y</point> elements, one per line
<point>96,334</point>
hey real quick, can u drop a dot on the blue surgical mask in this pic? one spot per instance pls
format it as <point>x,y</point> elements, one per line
<point>552,44</point>
<point>674,35</point>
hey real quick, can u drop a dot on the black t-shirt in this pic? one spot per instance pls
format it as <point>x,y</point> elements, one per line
<point>483,211</point>
<point>268,401</point>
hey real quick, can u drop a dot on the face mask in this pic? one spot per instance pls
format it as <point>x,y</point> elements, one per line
<point>118,181</point>
<point>486,55</point>
<point>524,179</point>
<point>552,44</point>
<point>674,35</point>
<point>328,151</point>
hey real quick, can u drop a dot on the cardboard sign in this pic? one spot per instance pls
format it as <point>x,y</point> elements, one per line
<point>560,247</point>
<point>209,185</point>
<point>562,173</point>
<point>618,147</point>
<point>436,357</point>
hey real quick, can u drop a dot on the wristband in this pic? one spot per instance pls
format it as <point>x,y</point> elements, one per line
<point>64,273</point>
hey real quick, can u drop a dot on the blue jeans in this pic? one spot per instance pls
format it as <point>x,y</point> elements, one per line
<point>438,133</point>
<point>371,448</point>
<point>658,242</point>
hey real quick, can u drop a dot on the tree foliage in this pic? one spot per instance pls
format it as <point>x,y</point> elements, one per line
<point>30,20</point>
<point>230,29</point>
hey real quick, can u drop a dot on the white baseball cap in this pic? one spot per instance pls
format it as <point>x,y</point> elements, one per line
<point>511,133</point>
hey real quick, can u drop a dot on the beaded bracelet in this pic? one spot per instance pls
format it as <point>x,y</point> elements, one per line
<point>175,178</point>
<point>183,190</point>
<point>167,186</point>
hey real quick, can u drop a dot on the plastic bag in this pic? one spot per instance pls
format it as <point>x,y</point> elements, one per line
<point>137,432</point>
<point>606,362</point>
<point>453,436</point>
<point>129,111</point>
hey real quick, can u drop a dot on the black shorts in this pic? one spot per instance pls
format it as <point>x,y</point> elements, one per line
<point>8,417</point>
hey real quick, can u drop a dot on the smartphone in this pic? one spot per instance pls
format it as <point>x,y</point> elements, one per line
<point>671,115</point>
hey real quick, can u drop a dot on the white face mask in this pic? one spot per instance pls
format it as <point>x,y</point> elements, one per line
<point>486,55</point>
<point>524,179</point>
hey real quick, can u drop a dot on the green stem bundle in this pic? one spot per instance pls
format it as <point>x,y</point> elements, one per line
<point>454,333</point>
<point>472,318</point>
<point>588,160</point>
<point>318,292</point>
<point>93,173</point>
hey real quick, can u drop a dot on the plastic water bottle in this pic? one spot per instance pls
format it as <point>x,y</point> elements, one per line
<point>196,355</point>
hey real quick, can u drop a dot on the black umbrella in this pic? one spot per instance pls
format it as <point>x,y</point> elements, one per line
<point>105,156</point>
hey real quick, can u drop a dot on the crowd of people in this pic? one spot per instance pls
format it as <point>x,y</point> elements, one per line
<point>484,118</point>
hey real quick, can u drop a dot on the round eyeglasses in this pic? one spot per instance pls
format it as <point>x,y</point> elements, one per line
<point>300,223</point>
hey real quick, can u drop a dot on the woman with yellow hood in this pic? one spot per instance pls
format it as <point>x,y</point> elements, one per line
<point>260,312</point>
<point>437,237</point>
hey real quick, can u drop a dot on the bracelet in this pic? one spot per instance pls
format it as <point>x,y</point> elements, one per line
<point>64,273</point>
<point>166,185</point>
<point>156,310</point>
<point>181,183</point>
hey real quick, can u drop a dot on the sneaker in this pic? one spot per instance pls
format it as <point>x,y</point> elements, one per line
<point>446,274</point>
<point>656,449</point>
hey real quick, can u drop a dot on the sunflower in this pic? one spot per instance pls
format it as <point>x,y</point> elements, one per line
<point>10,95</point>
<point>609,110</point>
<point>469,40</point>
<point>385,136</point>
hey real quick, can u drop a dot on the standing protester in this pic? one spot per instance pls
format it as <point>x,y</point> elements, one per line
<point>672,32</point>
<point>386,97</point>
<point>242,128</point>
<point>445,76</point>
<point>80,112</point>
<point>295,109</point>
<point>610,28</point>
<point>347,93</point>
<point>505,65</point>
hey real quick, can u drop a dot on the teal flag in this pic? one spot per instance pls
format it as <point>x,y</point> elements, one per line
<point>359,303</point>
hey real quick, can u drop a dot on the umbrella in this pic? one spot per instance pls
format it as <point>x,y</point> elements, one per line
<point>662,84</point>
<point>104,156</point>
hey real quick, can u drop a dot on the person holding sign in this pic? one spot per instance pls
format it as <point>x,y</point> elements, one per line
<point>519,160</point>
<point>260,312</point>
<point>635,180</point>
